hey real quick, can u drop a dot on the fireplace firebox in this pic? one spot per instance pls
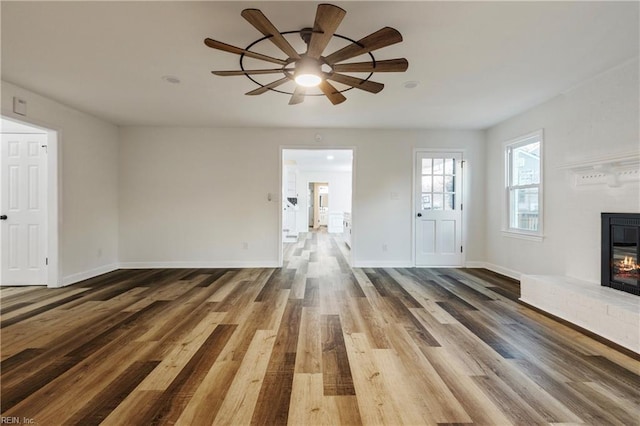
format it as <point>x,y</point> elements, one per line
<point>621,251</point>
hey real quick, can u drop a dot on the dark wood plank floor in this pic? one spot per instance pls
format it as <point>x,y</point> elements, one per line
<point>315,342</point>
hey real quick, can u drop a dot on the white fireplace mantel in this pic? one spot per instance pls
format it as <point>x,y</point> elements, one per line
<point>612,170</point>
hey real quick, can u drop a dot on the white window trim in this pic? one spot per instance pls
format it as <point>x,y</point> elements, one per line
<point>507,231</point>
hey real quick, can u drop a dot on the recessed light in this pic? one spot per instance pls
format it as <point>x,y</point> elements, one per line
<point>330,157</point>
<point>410,84</point>
<point>171,79</point>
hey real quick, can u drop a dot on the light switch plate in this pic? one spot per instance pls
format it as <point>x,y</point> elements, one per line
<point>19,106</point>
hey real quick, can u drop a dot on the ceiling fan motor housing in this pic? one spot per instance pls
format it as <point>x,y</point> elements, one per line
<point>305,35</point>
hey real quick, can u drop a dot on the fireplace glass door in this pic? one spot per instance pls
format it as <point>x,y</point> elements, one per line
<point>621,251</point>
<point>624,255</point>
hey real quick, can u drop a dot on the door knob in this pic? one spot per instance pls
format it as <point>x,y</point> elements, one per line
<point>419,214</point>
<point>3,217</point>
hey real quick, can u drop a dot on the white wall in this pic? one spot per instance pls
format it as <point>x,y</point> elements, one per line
<point>88,183</point>
<point>596,119</point>
<point>193,196</point>
<point>339,193</point>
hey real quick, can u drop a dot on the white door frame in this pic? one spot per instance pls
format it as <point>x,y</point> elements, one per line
<point>353,194</point>
<point>54,278</point>
<point>416,152</point>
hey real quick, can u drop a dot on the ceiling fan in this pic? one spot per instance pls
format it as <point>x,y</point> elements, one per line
<point>311,68</point>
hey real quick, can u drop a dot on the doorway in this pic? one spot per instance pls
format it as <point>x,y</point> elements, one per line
<point>318,204</point>
<point>438,209</point>
<point>317,188</point>
<point>28,205</point>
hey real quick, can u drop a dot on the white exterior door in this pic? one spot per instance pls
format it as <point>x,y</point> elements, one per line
<point>438,210</point>
<point>23,199</point>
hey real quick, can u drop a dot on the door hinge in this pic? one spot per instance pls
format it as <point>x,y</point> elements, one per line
<point>460,249</point>
<point>461,206</point>
<point>46,261</point>
<point>462,164</point>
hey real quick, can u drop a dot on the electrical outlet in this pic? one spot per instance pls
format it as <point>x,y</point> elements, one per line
<point>385,247</point>
<point>245,246</point>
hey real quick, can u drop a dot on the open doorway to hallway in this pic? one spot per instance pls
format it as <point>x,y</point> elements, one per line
<point>317,188</point>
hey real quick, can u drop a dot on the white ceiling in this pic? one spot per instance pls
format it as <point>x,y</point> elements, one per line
<point>312,160</point>
<point>478,63</point>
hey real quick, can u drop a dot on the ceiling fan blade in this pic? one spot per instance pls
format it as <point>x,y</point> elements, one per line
<point>328,18</point>
<point>248,72</point>
<point>214,44</point>
<point>358,83</point>
<point>262,89</point>
<point>298,95</point>
<point>381,38</point>
<point>262,24</point>
<point>331,92</point>
<point>389,65</point>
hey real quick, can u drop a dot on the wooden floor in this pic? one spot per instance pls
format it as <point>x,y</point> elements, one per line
<point>315,342</point>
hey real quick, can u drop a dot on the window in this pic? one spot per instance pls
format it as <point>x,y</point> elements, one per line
<point>438,183</point>
<point>524,184</point>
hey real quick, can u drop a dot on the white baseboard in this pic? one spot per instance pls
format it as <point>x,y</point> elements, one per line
<point>494,268</point>
<point>471,264</point>
<point>381,264</point>
<point>85,275</point>
<point>80,276</point>
<point>438,266</point>
<point>177,265</point>
<point>475,264</point>
<point>503,271</point>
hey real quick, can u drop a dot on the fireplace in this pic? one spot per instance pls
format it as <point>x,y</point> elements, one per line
<point>621,251</point>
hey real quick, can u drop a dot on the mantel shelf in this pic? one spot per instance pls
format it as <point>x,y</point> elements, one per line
<point>612,170</point>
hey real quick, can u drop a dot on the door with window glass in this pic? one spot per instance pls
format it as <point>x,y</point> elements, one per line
<point>438,210</point>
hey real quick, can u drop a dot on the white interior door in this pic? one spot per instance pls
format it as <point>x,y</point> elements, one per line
<point>438,210</point>
<point>23,206</point>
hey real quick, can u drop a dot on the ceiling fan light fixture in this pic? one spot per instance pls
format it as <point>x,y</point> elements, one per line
<point>313,67</point>
<point>308,80</point>
<point>307,72</point>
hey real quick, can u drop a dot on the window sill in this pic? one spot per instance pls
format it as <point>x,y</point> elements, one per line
<point>522,235</point>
